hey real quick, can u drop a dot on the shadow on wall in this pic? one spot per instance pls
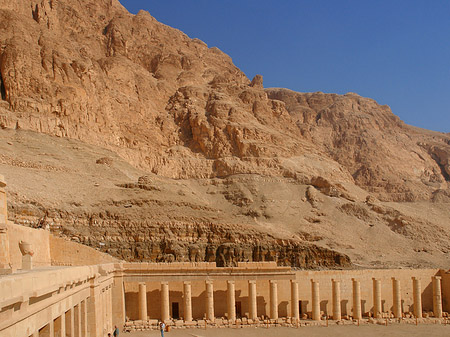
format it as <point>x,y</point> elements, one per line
<point>427,297</point>
<point>344,304</point>
<point>363,307</point>
<point>261,306</point>
<point>283,309</point>
<point>2,88</point>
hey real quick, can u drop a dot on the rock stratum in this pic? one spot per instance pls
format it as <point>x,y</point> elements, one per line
<point>125,134</point>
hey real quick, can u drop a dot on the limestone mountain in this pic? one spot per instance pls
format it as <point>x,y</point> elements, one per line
<point>151,145</point>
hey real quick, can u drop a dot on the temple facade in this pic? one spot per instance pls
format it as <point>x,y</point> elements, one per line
<point>53,287</point>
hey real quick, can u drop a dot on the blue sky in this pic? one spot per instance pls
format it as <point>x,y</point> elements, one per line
<point>396,52</point>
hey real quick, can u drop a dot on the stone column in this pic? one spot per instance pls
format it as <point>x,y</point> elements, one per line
<point>376,298</point>
<point>252,307</point>
<point>437,296</point>
<point>165,314</point>
<point>315,300</point>
<point>187,301</point>
<point>336,288</point>
<point>273,299</point>
<point>417,294</point>
<point>294,300</point>
<point>210,301</point>
<point>142,301</point>
<point>397,298</point>
<point>357,314</point>
<point>231,301</point>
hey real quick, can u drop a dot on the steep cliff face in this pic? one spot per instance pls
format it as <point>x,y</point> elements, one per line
<point>385,156</point>
<point>277,174</point>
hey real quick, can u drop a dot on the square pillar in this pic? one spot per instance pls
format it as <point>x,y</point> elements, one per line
<point>77,320</point>
<point>118,298</point>
<point>60,326</point>
<point>70,323</point>
<point>84,318</point>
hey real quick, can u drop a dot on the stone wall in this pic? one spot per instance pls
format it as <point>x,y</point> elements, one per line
<point>40,240</point>
<point>64,252</point>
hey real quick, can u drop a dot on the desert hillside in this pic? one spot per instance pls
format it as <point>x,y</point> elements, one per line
<point>122,133</point>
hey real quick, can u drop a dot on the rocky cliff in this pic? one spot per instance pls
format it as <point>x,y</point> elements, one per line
<point>234,171</point>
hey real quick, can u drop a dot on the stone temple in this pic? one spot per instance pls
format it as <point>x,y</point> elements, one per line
<point>53,287</point>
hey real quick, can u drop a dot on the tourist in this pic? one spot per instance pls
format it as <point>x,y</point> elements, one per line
<point>162,326</point>
<point>116,331</point>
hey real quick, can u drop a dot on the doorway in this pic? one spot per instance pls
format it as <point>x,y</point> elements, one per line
<point>238,309</point>
<point>300,308</point>
<point>175,310</point>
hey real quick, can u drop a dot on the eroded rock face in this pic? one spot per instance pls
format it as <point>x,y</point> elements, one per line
<point>175,108</point>
<point>383,155</point>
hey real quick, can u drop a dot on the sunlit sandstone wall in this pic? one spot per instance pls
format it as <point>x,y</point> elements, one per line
<point>48,249</point>
<point>51,250</point>
<point>73,301</point>
<point>39,238</point>
<point>69,253</point>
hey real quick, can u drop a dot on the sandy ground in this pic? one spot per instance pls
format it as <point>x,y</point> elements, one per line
<point>434,330</point>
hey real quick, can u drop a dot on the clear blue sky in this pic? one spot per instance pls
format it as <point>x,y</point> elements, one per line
<point>396,52</point>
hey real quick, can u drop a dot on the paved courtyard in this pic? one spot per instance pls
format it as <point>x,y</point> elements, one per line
<point>400,330</point>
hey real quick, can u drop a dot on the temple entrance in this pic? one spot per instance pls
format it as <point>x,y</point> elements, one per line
<point>300,308</point>
<point>175,310</point>
<point>238,309</point>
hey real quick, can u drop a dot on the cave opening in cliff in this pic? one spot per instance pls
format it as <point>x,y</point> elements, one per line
<point>2,88</point>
